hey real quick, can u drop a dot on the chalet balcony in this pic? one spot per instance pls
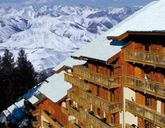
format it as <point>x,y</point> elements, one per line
<point>97,78</point>
<point>150,87</point>
<point>35,124</point>
<point>64,110</point>
<point>73,125</point>
<point>52,121</point>
<point>87,98</point>
<point>75,81</point>
<point>146,113</point>
<point>96,122</point>
<point>72,95</point>
<point>80,115</point>
<point>88,118</point>
<point>47,125</point>
<point>110,107</point>
<point>147,58</point>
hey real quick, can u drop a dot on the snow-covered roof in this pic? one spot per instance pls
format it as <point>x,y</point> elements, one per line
<point>16,110</point>
<point>55,88</point>
<point>99,49</point>
<point>69,62</point>
<point>33,100</point>
<point>149,18</point>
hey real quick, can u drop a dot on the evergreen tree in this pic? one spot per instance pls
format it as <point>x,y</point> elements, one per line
<point>15,81</point>
<point>27,74</point>
<point>1,88</point>
<point>0,63</point>
<point>7,64</point>
<point>7,86</point>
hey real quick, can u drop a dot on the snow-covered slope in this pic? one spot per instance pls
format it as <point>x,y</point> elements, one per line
<point>49,34</point>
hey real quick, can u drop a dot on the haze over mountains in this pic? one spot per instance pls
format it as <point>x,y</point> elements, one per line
<point>50,33</point>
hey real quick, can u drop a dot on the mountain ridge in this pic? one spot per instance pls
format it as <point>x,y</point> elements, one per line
<point>51,33</point>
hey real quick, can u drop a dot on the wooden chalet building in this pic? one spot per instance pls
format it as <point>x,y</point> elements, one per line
<point>118,80</point>
<point>127,90</point>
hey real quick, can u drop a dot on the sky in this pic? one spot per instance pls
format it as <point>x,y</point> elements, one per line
<point>96,3</point>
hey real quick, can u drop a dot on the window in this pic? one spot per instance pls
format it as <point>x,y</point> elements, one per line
<point>148,101</point>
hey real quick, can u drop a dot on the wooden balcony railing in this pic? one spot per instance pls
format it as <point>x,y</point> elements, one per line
<point>35,124</point>
<point>97,78</point>
<point>75,81</point>
<point>96,122</point>
<point>47,125</point>
<point>145,112</point>
<point>110,107</point>
<point>73,125</point>
<point>80,115</point>
<point>88,118</point>
<point>87,98</point>
<point>78,99</point>
<point>150,87</point>
<point>52,121</point>
<point>64,110</point>
<point>148,58</point>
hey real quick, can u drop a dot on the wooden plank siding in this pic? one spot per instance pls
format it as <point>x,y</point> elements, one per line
<point>55,111</point>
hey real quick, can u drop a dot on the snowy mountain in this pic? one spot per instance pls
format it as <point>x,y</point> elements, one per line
<point>50,33</point>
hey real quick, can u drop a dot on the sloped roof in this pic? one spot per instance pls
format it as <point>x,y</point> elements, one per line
<point>149,18</point>
<point>55,88</point>
<point>137,33</point>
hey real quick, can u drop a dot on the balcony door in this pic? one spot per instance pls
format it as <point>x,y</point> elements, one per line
<point>150,102</point>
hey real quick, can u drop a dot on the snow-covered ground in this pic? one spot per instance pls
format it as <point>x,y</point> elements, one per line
<point>49,34</point>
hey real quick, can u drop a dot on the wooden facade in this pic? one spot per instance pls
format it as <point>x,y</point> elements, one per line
<point>131,82</point>
<point>49,114</point>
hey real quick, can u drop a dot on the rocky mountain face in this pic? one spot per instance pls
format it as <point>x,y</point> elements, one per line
<point>48,34</point>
